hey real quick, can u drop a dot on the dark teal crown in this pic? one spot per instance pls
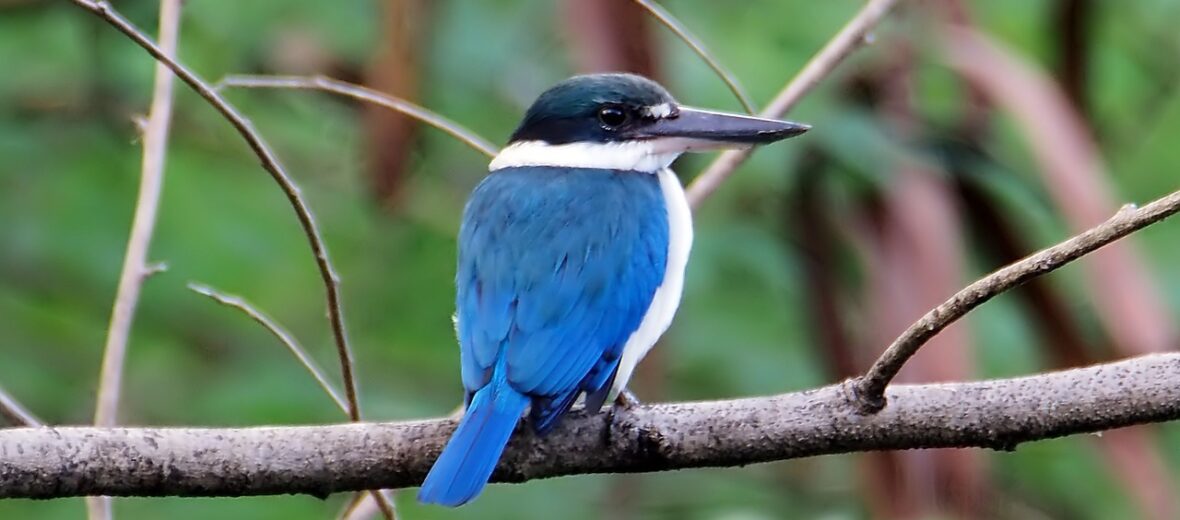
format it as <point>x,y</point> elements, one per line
<point>591,108</point>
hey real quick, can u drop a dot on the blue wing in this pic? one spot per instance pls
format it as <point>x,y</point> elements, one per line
<point>557,267</point>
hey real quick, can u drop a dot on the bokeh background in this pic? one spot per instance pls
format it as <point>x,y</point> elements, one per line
<point>931,162</point>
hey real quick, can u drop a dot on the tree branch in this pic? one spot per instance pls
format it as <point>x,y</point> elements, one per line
<point>280,333</point>
<point>270,163</point>
<point>368,95</point>
<point>135,268</point>
<point>677,28</point>
<point>319,460</point>
<point>850,38</point>
<point>870,388</point>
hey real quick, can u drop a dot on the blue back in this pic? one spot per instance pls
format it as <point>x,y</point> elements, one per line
<point>557,267</point>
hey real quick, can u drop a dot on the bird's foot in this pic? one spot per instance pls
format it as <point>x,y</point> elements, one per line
<point>626,400</point>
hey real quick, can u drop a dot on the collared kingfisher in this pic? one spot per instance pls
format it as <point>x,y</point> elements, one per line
<point>571,259</point>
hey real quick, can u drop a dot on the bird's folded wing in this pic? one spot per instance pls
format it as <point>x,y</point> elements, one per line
<point>557,268</point>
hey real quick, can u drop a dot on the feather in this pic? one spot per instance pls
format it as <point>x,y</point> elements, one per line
<point>470,456</point>
<point>557,269</point>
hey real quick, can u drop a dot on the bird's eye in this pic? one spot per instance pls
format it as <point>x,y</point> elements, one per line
<point>612,117</point>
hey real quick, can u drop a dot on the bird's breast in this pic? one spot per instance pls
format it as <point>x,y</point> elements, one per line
<point>666,300</point>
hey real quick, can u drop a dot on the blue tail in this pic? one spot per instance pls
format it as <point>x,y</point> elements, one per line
<point>467,461</point>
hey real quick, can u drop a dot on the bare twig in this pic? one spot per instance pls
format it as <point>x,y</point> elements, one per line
<point>15,413</point>
<point>383,503</point>
<point>384,500</point>
<point>278,332</point>
<point>365,505</point>
<point>870,388</point>
<point>1128,301</point>
<point>1125,221</point>
<point>271,163</point>
<point>699,48</point>
<point>135,267</point>
<point>319,460</point>
<point>352,508</point>
<point>367,95</point>
<point>851,37</point>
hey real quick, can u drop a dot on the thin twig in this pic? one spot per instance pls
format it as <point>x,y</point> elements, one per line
<point>870,388</point>
<point>269,162</point>
<point>1127,301</point>
<point>348,512</point>
<point>364,505</point>
<point>278,332</point>
<point>15,413</point>
<point>384,503</point>
<point>851,37</point>
<point>367,95</point>
<point>135,267</point>
<point>699,48</point>
<point>319,460</point>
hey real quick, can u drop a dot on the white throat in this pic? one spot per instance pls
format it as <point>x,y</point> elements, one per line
<point>646,156</point>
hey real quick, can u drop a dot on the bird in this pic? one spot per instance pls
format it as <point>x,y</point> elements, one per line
<point>571,259</point>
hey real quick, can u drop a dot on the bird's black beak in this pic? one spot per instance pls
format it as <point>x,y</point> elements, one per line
<point>697,129</point>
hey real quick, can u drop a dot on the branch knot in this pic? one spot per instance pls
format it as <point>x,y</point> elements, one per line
<point>863,395</point>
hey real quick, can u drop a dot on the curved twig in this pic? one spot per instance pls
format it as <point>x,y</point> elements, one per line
<point>870,388</point>
<point>382,499</point>
<point>319,460</point>
<point>278,332</point>
<point>367,95</point>
<point>699,48</point>
<point>331,280</point>
<point>851,37</point>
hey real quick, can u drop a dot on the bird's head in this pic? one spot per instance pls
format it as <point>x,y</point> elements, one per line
<point>626,122</point>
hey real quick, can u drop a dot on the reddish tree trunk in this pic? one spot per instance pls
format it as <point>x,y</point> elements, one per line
<point>396,69</point>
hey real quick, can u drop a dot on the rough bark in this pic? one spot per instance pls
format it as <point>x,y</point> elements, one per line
<point>318,460</point>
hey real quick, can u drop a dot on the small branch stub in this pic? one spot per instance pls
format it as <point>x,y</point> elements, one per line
<point>863,399</point>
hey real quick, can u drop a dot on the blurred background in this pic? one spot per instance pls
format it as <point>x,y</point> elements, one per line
<point>967,135</point>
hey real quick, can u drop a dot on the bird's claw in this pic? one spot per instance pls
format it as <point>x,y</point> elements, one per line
<point>626,400</point>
